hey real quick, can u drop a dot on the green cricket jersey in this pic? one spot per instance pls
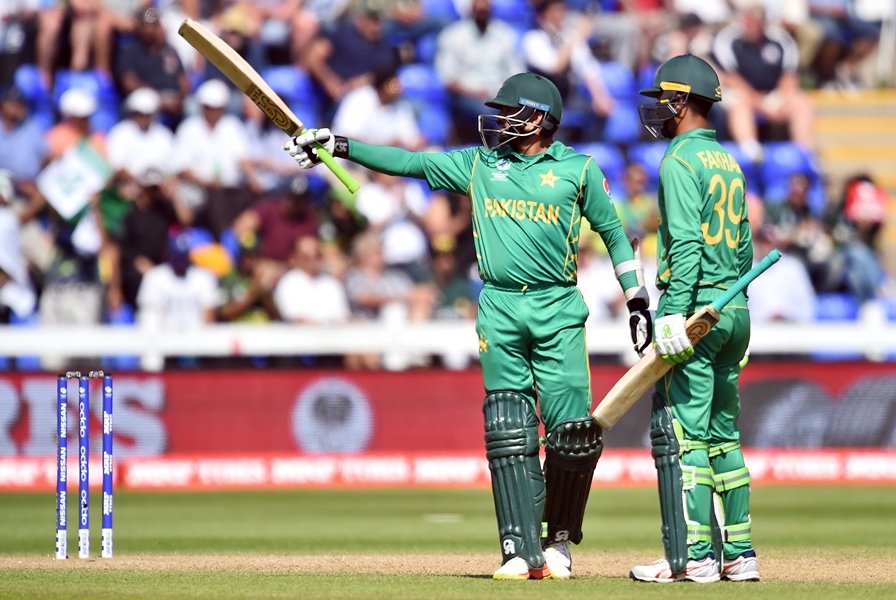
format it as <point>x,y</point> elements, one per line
<point>704,237</point>
<point>527,210</point>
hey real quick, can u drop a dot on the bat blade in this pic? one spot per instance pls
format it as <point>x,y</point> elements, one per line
<point>248,80</point>
<point>644,373</point>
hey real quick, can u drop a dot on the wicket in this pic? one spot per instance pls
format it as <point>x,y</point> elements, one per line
<point>83,464</point>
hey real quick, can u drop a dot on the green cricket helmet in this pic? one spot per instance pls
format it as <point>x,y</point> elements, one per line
<point>676,80</point>
<point>530,95</point>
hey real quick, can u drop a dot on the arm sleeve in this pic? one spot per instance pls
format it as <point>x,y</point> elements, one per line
<point>598,208</point>
<point>682,202</point>
<point>450,171</point>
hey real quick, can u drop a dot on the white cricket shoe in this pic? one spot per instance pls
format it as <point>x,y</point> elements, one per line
<point>558,560</point>
<point>705,570</point>
<point>517,568</point>
<point>743,568</point>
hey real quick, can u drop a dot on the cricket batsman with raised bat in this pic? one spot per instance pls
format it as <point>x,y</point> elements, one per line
<point>529,194</point>
<point>704,246</point>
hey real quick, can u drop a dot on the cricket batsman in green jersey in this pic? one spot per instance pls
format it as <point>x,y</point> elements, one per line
<point>529,194</point>
<point>704,246</point>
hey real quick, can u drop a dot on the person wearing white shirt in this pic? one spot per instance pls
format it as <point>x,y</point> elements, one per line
<point>176,295</point>
<point>212,156</point>
<point>140,130</point>
<point>784,292</point>
<point>376,114</point>
<point>305,294</point>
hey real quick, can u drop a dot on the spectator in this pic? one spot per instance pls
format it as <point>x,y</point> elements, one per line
<point>395,209</point>
<point>277,221</point>
<point>346,57</point>
<point>805,236</point>
<point>283,29</point>
<point>714,13</point>
<point>473,57</point>
<point>637,207</point>
<point>625,29</point>
<point>212,158</point>
<point>759,65</point>
<point>376,113</point>
<point>16,291</point>
<point>175,295</point>
<point>149,61</point>
<point>689,36</point>
<point>247,290</point>
<point>76,21</point>
<point>377,293</point>
<point>306,294</point>
<point>23,148</point>
<point>140,129</point>
<point>847,41</point>
<point>857,233</point>
<point>558,49</point>
<point>18,32</point>
<point>448,216</point>
<point>143,243</point>
<point>456,296</point>
<point>75,106</point>
<point>784,292</point>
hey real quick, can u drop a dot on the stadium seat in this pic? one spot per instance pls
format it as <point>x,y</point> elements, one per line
<point>434,121</point>
<point>517,13</point>
<point>297,89</point>
<point>444,9</point>
<point>751,172</point>
<point>782,160</point>
<point>426,48</point>
<point>103,89</point>
<point>608,157</point>
<point>623,126</point>
<point>619,81</point>
<point>836,307</point>
<point>422,85</point>
<point>28,79</point>
<point>649,155</point>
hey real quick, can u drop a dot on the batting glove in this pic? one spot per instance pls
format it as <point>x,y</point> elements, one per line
<point>303,147</point>
<point>640,320</point>
<point>672,342</point>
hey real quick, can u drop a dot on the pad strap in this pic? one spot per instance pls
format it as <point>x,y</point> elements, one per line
<point>731,480</point>
<point>738,532</point>
<point>718,450</point>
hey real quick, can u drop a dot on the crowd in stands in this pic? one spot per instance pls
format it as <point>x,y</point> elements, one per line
<point>137,186</point>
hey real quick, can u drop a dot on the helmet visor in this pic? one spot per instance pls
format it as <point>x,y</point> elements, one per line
<point>499,130</point>
<point>654,115</point>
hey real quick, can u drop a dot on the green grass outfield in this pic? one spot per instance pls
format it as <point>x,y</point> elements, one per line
<point>814,542</point>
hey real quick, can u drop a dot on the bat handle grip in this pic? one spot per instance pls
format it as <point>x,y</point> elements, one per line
<point>338,170</point>
<point>742,283</point>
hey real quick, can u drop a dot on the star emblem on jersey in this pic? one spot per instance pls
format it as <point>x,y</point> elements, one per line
<point>548,178</point>
<point>483,344</point>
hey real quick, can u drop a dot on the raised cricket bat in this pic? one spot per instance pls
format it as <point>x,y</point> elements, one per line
<point>247,79</point>
<point>651,366</point>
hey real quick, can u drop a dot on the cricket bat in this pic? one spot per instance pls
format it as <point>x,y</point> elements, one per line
<point>651,366</point>
<point>247,79</point>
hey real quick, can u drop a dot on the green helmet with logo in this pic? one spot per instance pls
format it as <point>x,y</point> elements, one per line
<point>529,89</point>
<point>528,94</point>
<point>686,73</point>
<point>676,80</point>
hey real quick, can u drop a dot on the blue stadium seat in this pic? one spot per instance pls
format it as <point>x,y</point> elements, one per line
<point>27,78</point>
<point>434,121</point>
<point>645,77</point>
<point>422,85</point>
<point>649,155</point>
<point>619,81</point>
<point>426,48</point>
<point>518,13</point>
<point>836,307</point>
<point>608,157</point>
<point>100,85</point>
<point>297,89</point>
<point>623,126</point>
<point>784,159</point>
<point>440,9</point>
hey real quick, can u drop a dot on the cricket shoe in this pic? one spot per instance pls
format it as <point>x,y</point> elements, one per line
<point>743,568</point>
<point>705,570</point>
<point>518,568</point>
<point>558,560</point>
